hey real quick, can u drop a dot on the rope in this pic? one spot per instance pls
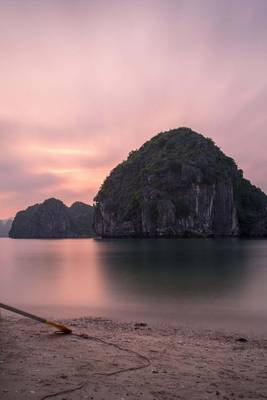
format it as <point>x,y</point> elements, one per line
<point>146,363</point>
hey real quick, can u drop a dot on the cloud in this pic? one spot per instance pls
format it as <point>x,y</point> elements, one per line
<point>84,83</point>
<point>14,180</point>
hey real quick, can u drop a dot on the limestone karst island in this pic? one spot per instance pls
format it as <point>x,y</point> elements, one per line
<point>178,184</point>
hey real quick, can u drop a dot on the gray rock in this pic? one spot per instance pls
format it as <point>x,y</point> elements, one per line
<point>53,219</point>
<point>179,184</point>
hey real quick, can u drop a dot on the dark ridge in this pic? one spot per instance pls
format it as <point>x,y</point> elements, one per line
<point>53,219</point>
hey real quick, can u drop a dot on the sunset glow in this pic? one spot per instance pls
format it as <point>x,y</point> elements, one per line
<point>85,82</point>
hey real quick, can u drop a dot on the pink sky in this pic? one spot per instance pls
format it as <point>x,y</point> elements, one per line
<point>85,82</point>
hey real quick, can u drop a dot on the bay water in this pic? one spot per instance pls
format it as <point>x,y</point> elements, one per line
<point>212,283</point>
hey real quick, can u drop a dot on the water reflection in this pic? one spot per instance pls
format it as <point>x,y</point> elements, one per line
<point>51,272</point>
<point>182,269</point>
<point>223,279</point>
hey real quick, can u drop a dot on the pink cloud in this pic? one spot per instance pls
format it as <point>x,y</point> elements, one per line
<point>84,83</point>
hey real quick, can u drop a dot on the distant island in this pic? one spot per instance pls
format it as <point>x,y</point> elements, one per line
<point>179,184</point>
<point>53,219</point>
<point>5,225</point>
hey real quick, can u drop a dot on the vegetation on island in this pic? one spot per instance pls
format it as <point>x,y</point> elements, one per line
<point>168,163</point>
<point>53,219</point>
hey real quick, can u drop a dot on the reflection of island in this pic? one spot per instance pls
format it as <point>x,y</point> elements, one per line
<point>178,269</point>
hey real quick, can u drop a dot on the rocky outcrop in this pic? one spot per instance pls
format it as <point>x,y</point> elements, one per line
<point>82,216</point>
<point>5,225</point>
<point>53,219</point>
<point>179,184</point>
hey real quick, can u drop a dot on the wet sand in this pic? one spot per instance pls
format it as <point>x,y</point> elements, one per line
<point>120,361</point>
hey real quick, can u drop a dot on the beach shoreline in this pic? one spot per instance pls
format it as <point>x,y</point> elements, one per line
<point>107,359</point>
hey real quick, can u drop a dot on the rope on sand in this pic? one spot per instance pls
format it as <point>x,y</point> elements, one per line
<point>65,330</point>
<point>146,364</point>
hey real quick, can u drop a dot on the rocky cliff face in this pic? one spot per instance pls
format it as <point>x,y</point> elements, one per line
<point>179,184</point>
<point>52,219</point>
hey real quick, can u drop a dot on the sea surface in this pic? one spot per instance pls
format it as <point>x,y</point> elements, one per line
<point>209,283</point>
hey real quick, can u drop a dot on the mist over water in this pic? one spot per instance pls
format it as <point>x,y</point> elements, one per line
<point>191,282</point>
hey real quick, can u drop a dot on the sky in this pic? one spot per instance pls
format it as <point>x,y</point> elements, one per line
<point>82,83</point>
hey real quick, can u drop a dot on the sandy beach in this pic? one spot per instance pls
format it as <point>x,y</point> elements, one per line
<point>115,360</point>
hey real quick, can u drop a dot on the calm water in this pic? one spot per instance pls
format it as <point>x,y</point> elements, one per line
<point>212,283</point>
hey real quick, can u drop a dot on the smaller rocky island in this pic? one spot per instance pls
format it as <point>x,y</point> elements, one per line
<point>5,225</point>
<point>53,220</point>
